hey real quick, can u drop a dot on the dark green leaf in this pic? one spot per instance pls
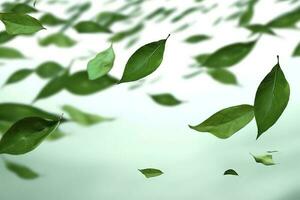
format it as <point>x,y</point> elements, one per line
<point>18,76</point>
<point>197,38</point>
<point>264,159</point>
<point>5,37</point>
<point>51,20</point>
<point>150,172</point>
<point>23,8</point>
<point>227,122</point>
<point>296,52</point>
<point>259,28</point>
<point>223,76</point>
<point>26,134</point>
<point>101,64</point>
<point>10,53</point>
<point>59,40</point>
<point>271,99</point>
<point>107,19</point>
<point>166,99</point>
<point>231,172</point>
<point>201,58</point>
<point>49,69</point>
<point>287,20</point>
<point>144,61</point>
<point>90,27</point>
<point>21,170</point>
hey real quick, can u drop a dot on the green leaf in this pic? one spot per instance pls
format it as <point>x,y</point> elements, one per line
<point>260,29</point>
<point>246,17</point>
<point>185,13</point>
<point>271,99</point>
<point>58,39</point>
<point>90,27</point>
<point>166,99</point>
<point>80,84</point>
<point>150,172</point>
<point>23,8</point>
<point>229,55</point>
<point>49,69</point>
<point>10,53</point>
<point>83,118</point>
<point>21,170</point>
<point>123,34</point>
<point>16,24</point>
<point>4,126</point>
<point>201,58</point>
<point>5,37</point>
<point>26,134</point>
<point>12,112</point>
<point>18,76</point>
<point>287,20</point>
<point>264,159</point>
<point>144,61</point>
<point>101,64</point>
<point>197,38</point>
<point>51,20</point>
<point>107,18</point>
<point>296,52</point>
<point>231,172</point>
<point>223,76</point>
<point>227,122</point>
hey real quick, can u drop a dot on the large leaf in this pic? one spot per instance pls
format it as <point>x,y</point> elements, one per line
<point>90,27</point>
<point>58,39</point>
<point>20,170</point>
<point>144,61</point>
<point>151,172</point>
<point>166,99</point>
<point>271,99</point>
<point>18,76</point>
<point>16,24</point>
<point>10,53</point>
<point>80,84</point>
<point>83,118</point>
<point>227,122</point>
<point>101,64</point>
<point>26,134</point>
<point>229,55</point>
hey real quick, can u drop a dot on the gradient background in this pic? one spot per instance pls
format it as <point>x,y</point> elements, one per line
<point>102,161</point>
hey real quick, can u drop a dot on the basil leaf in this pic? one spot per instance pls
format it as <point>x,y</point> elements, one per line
<point>229,55</point>
<point>223,76</point>
<point>21,171</point>
<point>150,172</point>
<point>26,134</point>
<point>271,99</point>
<point>144,61</point>
<point>16,24</point>
<point>58,39</point>
<point>18,76</point>
<point>231,172</point>
<point>227,122</point>
<point>166,99</point>
<point>197,38</point>
<point>101,64</point>
<point>90,27</point>
<point>10,53</point>
<point>83,118</point>
<point>49,69</point>
<point>80,84</point>
<point>264,159</point>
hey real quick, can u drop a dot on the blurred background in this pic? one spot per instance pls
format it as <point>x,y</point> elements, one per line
<point>102,161</point>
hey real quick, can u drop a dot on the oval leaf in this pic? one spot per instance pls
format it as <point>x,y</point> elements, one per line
<point>150,172</point>
<point>90,27</point>
<point>49,69</point>
<point>166,99</point>
<point>18,76</point>
<point>10,53</point>
<point>223,76</point>
<point>21,170</point>
<point>58,39</point>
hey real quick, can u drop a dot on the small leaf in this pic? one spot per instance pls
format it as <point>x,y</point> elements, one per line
<point>264,159</point>
<point>17,24</point>
<point>144,61</point>
<point>259,28</point>
<point>49,69</point>
<point>26,134</point>
<point>229,55</point>
<point>166,99</point>
<point>90,27</point>
<point>123,34</point>
<point>197,38</point>
<point>56,135</point>
<point>150,172</point>
<point>231,172</point>
<point>296,52</point>
<point>21,170</point>
<point>80,84</point>
<point>23,8</point>
<point>101,64</point>
<point>223,76</point>
<point>83,118</point>
<point>18,76</point>
<point>287,20</point>
<point>107,19</point>
<point>227,122</point>
<point>271,99</point>
<point>51,20</point>
<point>10,53</point>
<point>58,39</point>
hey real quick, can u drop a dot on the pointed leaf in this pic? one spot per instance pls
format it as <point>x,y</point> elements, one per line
<point>18,76</point>
<point>10,53</point>
<point>197,38</point>
<point>90,27</point>
<point>166,99</point>
<point>150,172</point>
<point>51,20</point>
<point>58,39</point>
<point>49,69</point>
<point>223,76</point>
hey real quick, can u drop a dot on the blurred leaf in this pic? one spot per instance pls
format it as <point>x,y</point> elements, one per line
<point>23,8</point>
<point>264,159</point>
<point>155,13</point>
<point>197,38</point>
<point>287,20</point>
<point>51,20</point>
<point>80,84</point>
<point>16,24</point>
<point>5,37</point>
<point>223,76</point>
<point>227,122</point>
<point>59,40</point>
<point>144,61</point>
<point>21,170</point>
<point>18,76</point>
<point>101,64</point>
<point>26,134</point>
<point>150,172</point>
<point>4,126</point>
<point>55,135</point>
<point>10,53</point>
<point>231,172</point>
<point>123,34</point>
<point>259,28</point>
<point>271,99</point>
<point>84,118</point>
<point>166,99</point>
<point>185,13</point>
<point>107,19</point>
<point>201,58</point>
<point>90,27</point>
<point>246,17</point>
<point>229,55</point>
<point>296,52</point>
<point>49,69</point>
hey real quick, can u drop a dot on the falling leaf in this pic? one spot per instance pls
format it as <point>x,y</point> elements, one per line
<point>5,37</point>
<point>18,76</point>
<point>287,20</point>
<point>90,27</point>
<point>231,172</point>
<point>51,20</point>
<point>260,29</point>
<point>23,8</point>
<point>107,18</point>
<point>49,69</point>
<point>223,76</point>
<point>296,52</point>
<point>166,99</point>
<point>264,159</point>
<point>197,38</point>
<point>150,172</point>
<point>21,171</point>
<point>124,34</point>
<point>10,53</point>
<point>58,39</point>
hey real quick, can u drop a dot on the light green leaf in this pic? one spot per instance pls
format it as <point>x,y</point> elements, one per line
<point>23,8</point>
<point>223,76</point>
<point>271,99</point>
<point>58,39</point>
<point>144,61</point>
<point>55,135</point>
<point>17,24</point>
<point>231,172</point>
<point>51,20</point>
<point>227,122</point>
<point>21,170</point>
<point>5,37</point>
<point>18,76</point>
<point>260,29</point>
<point>166,99</point>
<point>90,27</point>
<point>264,159</point>
<point>101,64</point>
<point>26,134</point>
<point>197,38</point>
<point>124,34</point>
<point>49,69</point>
<point>10,53</point>
<point>201,58</point>
<point>150,172</point>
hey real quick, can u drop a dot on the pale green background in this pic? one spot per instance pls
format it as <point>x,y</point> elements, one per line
<point>101,162</point>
